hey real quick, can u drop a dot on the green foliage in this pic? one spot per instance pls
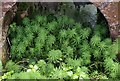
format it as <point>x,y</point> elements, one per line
<point>95,40</point>
<point>111,67</point>
<point>60,49</point>
<point>11,66</point>
<point>1,67</point>
<point>54,55</point>
<point>73,62</point>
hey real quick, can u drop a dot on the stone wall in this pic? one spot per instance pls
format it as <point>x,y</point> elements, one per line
<point>8,12</point>
<point>111,12</point>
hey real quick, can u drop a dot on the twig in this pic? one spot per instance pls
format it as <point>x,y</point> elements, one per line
<point>21,62</point>
<point>94,64</point>
<point>8,41</point>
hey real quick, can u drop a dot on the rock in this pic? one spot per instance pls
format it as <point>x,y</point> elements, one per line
<point>88,15</point>
<point>8,12</point>
<point>111,12</point>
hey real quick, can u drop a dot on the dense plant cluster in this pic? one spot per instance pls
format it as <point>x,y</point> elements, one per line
<point>57,46</point>
<point>60,49</point>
